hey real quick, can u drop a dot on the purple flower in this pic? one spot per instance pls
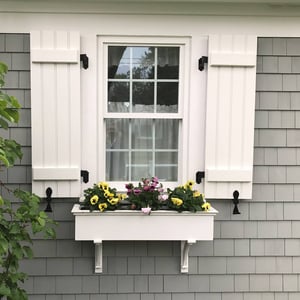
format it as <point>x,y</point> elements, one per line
<point>146,188</point>
<point>129,186</point>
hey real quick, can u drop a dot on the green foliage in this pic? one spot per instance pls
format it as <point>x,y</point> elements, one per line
<point>17,223</point>
<point>101,197</point>
<point>148,193</point>
<point>9,105</point>
<point>184,198</point>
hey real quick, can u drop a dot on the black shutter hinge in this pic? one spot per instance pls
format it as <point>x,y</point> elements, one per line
<point>199,176</point>
<point>203,60</point>
<point>85,176</point>
<point>85,61</point>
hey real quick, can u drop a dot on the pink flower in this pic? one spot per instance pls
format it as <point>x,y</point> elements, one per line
<point>146,181</point>
<point>146,210</point>
<point>155,179</point>
<point>146,188</point>
<point>137,191</point>
<point>163,197</point>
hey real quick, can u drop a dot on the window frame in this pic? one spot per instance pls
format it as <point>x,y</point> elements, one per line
<point>183,99</point>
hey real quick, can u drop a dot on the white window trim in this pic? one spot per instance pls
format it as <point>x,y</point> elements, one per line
<point>184,44</point>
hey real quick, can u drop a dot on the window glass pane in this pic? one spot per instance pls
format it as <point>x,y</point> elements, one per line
<point>117,131</point>
<point>118,62</point>
<point>167,97</point>
<point>142,79</point>
<point>168,63</point>
<point>118,97</point>
<point>166,173</point>
<point>166,134</point>
<point>142,165</point>
<point>166,167</point>
<point>142,62</point>
<point>142,134</point>
<point>143,97</point>
<point>117,166</point>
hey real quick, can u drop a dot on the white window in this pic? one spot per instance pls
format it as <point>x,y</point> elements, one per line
<point>142,107</point>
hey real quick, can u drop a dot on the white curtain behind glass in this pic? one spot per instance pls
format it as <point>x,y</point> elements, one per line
<point>137,148</point>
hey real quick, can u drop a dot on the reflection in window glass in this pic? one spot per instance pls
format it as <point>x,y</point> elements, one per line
<point>167,97</point>
<point>143,62</point>
<point>118,96</point>
<point>143,97</point>
<point>118,62</point>
<point>142,79</point>
<point>168,63</point>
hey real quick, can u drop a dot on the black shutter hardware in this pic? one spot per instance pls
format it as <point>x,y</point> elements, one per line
<point>85,61</point>
<point>203,60</point>
<point>85,176</point>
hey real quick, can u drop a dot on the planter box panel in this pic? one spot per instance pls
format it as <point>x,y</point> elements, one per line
<point>126,225</point>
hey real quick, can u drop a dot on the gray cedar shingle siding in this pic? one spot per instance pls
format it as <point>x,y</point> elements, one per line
<point>255,255</point>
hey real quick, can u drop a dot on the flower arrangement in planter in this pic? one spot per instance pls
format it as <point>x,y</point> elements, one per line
<point>184,198</point>
<point>149,195</point>
<point>124,211</point>
<point>101,197</point>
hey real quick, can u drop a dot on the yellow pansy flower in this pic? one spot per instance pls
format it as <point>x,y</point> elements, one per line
<point>103,185</point>
<point>113,201</point>
<point>189,184</point>
<point>94,200</point>
<point>108,194</point>
<point>122,196</point>
<point>102,206</point>
<point>206,206</point>
<point>196,194</point>
<point>177,201</point>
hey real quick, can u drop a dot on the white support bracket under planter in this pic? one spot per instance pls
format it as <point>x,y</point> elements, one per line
<point>98,256</point>
<point>161,225</point>
<point>185,248</point>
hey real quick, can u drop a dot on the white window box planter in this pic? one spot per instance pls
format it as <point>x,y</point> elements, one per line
<point>161,225</point>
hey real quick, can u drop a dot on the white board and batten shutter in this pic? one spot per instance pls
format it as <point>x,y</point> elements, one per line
<point>55,98</point>
<point>230,116</point>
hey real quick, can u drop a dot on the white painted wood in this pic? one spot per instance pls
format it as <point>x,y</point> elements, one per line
<point>185,248</point>
<point>55,173</point>
<point>54,56</point>
<point>228,175</point>
<point>98,256</point>
<point>55,96</point>
<point>232,59</point>
<point>230,116</point>
<point>160,225</point>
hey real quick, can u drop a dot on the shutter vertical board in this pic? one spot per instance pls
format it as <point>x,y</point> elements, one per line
<point>55,90</point>
<point>230,116</point>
